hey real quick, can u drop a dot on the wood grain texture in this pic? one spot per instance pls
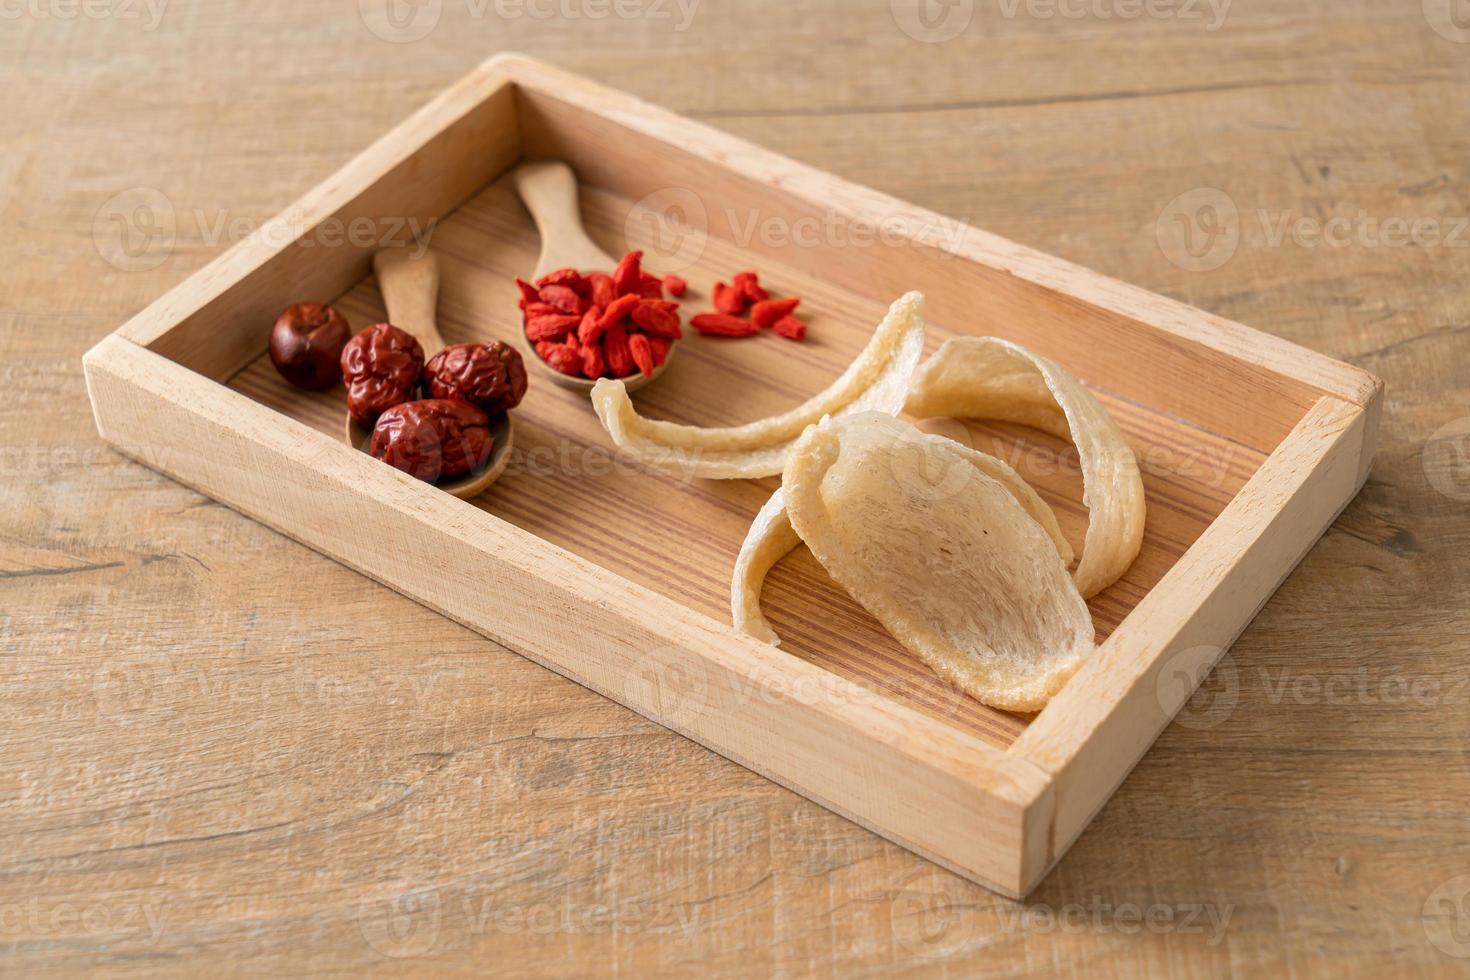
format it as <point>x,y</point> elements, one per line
<point>921,781</point>
<point>679,537</point>
<point>206,770</point>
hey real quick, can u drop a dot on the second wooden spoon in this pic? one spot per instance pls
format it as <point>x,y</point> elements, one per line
<point>410,288</point>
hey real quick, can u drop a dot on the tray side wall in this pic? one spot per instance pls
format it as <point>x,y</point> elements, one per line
<point>1105,719</point>
<point>217,320</point>
<point>1244,384</point>
<point>928,787</point>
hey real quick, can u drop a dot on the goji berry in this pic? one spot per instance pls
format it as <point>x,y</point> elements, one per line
<point>768,311</point>
<point>675,285</point>
<point>585,323</point>
<point>790,327</point>
<point>529,293</point>
<point>564,298</point>
<point>589,331</point>
<point>627,277</point>
<point>749,285</point>
<point>642,353</point>
<point>565,360</point>
<point>539,308</point>
<point>650,286</point>
<point>551,327</point>
<point>570,278</point>
<point>615,349</point>
<point>600,289</point>
<point>594,363</point>
<point>655,319</point>
<point>619,309</point>
<point>722,325</point>
<point>728,299</point>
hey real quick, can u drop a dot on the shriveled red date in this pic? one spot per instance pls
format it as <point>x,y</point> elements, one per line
<point>433,439</point>
<point>489,376</point>
<point>306,345</point>
<point>381,366</point>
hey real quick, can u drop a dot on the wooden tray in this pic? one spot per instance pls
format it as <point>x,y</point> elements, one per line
<point>619,578</point>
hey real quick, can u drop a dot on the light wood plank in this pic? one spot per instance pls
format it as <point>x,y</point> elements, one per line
<point>680,538</point>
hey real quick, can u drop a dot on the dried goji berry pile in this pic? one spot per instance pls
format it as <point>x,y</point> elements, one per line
<point>591,325</point>
<point>744,292</point>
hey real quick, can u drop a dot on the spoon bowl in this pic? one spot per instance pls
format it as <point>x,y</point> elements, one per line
<point>549,190</point>
<point>410,288</point>
<point>471,484</point>
<point>633,382</point>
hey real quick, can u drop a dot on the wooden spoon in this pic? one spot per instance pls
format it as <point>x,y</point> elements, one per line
<point>410,288</point>
<point>549,190</point>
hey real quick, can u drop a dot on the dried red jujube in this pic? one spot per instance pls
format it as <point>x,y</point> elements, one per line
<point>433,439</point>
<point>381,366</point>
<point>306,345</point>
<point>489,376</point>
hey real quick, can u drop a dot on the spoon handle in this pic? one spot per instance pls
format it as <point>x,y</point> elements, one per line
<point>549,190</point>
<point>410,288</point>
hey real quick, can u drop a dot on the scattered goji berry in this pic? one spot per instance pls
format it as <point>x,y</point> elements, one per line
<point>749,285</point>
<point>768,311</point>
<point>790,327</point>
<point>642,353</point>
<point>675,285</point>
<point>745,291</point>
<point>722,325</point>
<point>728,299</point>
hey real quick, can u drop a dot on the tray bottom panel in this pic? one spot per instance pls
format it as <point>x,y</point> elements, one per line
<point>679,538</point>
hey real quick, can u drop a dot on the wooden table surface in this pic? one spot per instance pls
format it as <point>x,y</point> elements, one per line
<point>223,752</point>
